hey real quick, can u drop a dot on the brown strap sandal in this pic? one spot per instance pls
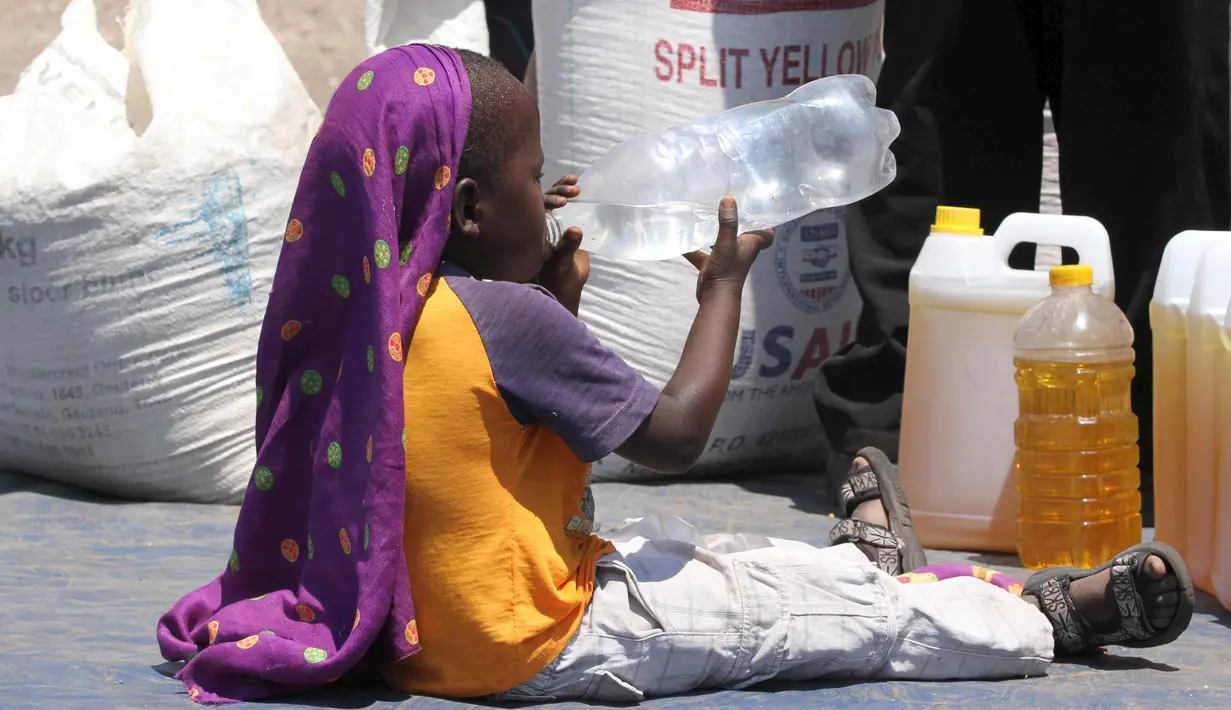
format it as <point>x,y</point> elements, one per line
<point>1075,636</point>
<point>895,549</point>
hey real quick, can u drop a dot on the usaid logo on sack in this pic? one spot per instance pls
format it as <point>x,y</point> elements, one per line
<point>810,260</point>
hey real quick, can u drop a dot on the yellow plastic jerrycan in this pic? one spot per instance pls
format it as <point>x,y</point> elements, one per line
<point>960,401</point>
<point>1169,329</point>
<point>1207,308</point>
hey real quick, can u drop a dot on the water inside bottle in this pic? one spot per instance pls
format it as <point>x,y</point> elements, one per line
<point>642,232</point>
<point>1077,461</point>
<point>646,232</point>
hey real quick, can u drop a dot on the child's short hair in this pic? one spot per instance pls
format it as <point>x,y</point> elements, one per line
<point>490,136</point>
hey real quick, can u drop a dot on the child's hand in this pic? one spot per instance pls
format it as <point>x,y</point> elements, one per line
<point>558,195</point>
<point>727,264</point>
<point>567,267</point>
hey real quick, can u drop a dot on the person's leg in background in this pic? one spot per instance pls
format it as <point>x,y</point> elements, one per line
<point>1131,110</point>
<point>1218,115</point>
<point>958,75</point>
<point>511,27</point>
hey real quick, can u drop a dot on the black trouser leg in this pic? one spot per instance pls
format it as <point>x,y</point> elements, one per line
<point>1131,119</point>
<point>971,116</point>
<point>1217,163</point>
<point>510,26</point>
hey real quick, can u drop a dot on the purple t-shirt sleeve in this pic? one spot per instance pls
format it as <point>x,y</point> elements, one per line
<point>551,370</point>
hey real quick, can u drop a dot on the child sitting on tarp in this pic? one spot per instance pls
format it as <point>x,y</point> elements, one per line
<point>425,417</point>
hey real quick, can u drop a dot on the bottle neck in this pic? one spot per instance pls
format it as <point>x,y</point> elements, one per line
<point>555,230</point>
<point>1072,290</point>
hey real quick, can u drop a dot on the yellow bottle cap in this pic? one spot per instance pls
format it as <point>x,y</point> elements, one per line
<point>1079,275</point>
<point>957,220</point>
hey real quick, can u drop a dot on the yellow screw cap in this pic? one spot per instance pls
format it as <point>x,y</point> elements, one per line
<point>1079,275</point>
<point>957,220</point>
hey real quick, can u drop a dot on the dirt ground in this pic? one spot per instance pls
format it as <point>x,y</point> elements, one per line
<point>327,36</point>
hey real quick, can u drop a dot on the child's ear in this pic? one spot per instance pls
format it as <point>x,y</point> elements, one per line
<point>466,208</point>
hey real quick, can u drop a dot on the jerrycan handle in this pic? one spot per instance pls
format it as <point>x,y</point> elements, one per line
<point>1083,234</point>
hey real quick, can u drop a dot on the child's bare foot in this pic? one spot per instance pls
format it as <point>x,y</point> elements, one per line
<point>869,511</point>
<point>1142,598</point>
<point>878,516</point>
<point>1096,600</point>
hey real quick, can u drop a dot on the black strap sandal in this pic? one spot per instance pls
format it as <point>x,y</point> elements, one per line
<point>1075,636</point>
<point>894,550</point>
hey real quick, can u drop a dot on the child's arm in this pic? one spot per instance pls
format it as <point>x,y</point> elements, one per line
<point>674,436</point>
<point>551,370</point>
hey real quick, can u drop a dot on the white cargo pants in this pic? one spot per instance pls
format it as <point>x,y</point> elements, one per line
<point>674,611</point>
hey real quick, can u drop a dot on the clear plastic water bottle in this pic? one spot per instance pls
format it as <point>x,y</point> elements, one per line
<point>656,196</point>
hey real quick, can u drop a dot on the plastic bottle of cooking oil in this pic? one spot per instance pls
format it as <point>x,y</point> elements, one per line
<point>1076,433</point>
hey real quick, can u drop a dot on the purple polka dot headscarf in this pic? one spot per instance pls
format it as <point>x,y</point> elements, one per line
<point>316,587</point>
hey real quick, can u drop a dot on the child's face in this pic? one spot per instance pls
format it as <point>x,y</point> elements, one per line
<point>504,238</point>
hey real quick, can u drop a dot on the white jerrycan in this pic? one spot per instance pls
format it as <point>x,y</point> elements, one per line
<point>956,456</point>
<point>1220,574</point>
<point>1207,307</point>
<point>1168,323</point>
